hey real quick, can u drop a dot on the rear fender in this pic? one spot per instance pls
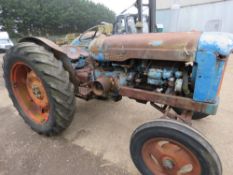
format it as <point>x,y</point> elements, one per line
<point>57,51</point>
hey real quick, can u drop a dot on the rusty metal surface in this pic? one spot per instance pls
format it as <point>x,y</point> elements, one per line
<point>40,40</point>
<point>102,86</point>
<point>83,75</point>
<point>172,157</point>
<point>158,46</point>
<point>174,101</point>
<point>70,51</point>
<point>185,117</point>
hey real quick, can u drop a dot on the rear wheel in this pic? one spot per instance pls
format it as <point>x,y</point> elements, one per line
<point>167,147</point>
<point>39,87</point>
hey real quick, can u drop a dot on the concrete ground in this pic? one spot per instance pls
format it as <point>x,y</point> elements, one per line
<point>97,141</point>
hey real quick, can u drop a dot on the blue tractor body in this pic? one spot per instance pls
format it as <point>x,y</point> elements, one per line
<point>209,66</point>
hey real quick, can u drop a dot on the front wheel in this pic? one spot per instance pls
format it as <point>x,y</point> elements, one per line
<point>167,147</point>
<point>39,87</point>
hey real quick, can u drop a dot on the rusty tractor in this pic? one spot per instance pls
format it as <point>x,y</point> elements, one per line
<point>179,74</point>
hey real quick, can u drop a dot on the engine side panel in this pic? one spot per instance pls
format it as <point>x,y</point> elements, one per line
<point>154,46</point>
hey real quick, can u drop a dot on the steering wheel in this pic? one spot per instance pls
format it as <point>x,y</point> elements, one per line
<point>94,29</point>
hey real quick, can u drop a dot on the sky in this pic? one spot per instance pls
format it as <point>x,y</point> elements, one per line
<point>116,5</point>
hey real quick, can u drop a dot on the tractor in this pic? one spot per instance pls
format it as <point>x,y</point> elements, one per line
<point>180,74</point>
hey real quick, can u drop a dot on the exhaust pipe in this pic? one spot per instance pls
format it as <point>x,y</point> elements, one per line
<point>102,86</point>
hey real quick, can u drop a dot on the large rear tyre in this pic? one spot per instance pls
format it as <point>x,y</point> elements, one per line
<point>39,87</point>
<point>166,147</point>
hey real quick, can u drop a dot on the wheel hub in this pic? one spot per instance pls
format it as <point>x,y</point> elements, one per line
<point>168,163</point>
<point>168,157</point>
<point>30,93</point>
<point>36,90</point>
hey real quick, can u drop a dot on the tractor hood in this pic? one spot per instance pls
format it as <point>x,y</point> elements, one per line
<point>218,43</point>
<point>157,46</point>
<point>160,46</point>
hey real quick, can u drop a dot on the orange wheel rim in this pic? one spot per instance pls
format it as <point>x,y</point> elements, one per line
<point>30,93</point>
<point>168,157</point>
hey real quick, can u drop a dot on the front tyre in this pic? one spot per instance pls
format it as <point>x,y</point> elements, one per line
<point>39,87</point>
<point>167,147</point>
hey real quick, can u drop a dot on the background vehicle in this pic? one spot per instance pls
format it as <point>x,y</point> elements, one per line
<point>169,70</point>
<point>125,23</point>
<point>5,42</point>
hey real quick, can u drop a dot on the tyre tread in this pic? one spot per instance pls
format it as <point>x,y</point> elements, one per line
<point>56,79</point>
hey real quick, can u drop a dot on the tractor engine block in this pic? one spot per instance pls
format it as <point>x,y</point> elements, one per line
<point>104,79</point>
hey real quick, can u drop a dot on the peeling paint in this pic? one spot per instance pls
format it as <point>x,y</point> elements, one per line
<point>156,43</point>
<point>160,46</point>
<point>221,43</point>
<point>209,69</point>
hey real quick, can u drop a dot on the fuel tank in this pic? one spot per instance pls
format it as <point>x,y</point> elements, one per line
<point>153,46</point>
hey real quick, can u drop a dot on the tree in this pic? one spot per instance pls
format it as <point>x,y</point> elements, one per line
<point>42,17</point>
